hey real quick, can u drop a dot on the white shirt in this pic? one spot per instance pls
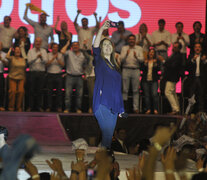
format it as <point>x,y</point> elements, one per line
<point>158,36</point>
<point>131,61</point>
<point>85,34</point>
<point>149,73</point>
<point>43,32</point>
<point>184,42</point>
<point>3,57</point>
<point>6,35</point>
<point>55,67</point>
<point>37,64</point>
<point>197,73</point>
<point>145,45</point>
<point>75,63</point>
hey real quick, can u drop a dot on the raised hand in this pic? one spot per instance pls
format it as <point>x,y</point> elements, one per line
<point>95,14</point>
<point>168,160</point>
<point>79,166</point>
<point>163,135</point>
<point>56,166</point>
<point>134,174</point>
<point>78,11</point>
<point>30,168</point>
<point>106,25</point>
<point>80,153</point>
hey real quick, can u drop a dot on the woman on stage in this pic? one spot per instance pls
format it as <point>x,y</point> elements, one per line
<point>107,96</point>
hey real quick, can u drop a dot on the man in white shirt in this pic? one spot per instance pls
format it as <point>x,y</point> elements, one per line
<point>181,37</point>
<point>54,66</point>
<point>7,33</point>
<point>3,62</point>
<point>85,33</point>
<point>37,58</point>
<point>75,62</point>
<point>119,37</point>
<point>161,39</point>
<point>131,56</point>
<point>41,29</point>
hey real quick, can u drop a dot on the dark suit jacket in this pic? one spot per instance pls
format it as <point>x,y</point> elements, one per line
<point>173,67</point>
<point>191,68</point>
<point>192,42</point>
<point>116,146</point>
<point>155,69</point>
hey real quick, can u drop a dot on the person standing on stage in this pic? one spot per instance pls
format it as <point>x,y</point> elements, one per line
<point>17,66</point>
<point>41,29</point>
<point>7,33</point>
<point>196,66</point>
<point>85,33</point>
<point>161,39</point>
<point>119,37</point>
<point>37,59</point>
<point>107,96</point>
<point>172,74</point>
<point>131,57</point>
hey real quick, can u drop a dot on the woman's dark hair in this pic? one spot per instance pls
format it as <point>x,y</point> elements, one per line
<point>113,60</point>
<point>151,49</point>
<point>24,28</point>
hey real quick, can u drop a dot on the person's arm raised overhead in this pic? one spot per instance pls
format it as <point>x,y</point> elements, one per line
<point>76,18</point>
<point>64,49</point>
<point>26,17</point>
<point>97,41</point>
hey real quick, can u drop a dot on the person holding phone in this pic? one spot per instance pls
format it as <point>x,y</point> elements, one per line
<point>107,96</point>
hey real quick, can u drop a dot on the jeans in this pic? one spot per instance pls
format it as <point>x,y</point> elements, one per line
<point>54,81</point>
<point>150,89</point>
<point>70,83</point>
<point>132,75</point>
<point>107,123</point>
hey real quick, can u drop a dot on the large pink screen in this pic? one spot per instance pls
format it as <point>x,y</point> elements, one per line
<point>132,12</point>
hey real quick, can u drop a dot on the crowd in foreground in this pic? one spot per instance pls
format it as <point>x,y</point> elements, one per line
<point>180,151</point>
<point>50,63</point>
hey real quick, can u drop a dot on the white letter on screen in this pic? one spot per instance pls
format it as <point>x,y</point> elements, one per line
<point>127,5</point>
<point>6,8</point>
<point>101,10</point>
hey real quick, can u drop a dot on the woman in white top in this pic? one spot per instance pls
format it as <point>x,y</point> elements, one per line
<point>143,39</point>
<point>150,78</point>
